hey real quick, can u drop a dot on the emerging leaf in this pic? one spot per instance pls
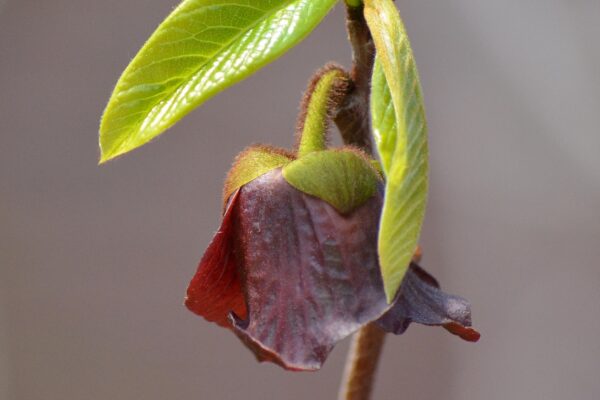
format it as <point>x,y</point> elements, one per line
<point>401,137</point>
<point>202,48</point>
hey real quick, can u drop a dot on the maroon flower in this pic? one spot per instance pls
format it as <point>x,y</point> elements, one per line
<point>291,273</point>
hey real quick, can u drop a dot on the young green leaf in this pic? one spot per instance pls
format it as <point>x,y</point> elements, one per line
<point>202,48</point>
<point>400,132</point>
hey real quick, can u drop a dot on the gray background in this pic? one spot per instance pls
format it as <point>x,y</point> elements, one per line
<point>94,260</point>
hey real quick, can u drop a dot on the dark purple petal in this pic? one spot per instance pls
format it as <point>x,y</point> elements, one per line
<point>216,289</point>
<point>311,275</point>
<point>421,300</point>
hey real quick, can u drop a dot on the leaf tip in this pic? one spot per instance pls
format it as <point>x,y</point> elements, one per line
<point>390,290</point>
<point>106,154</point>
<point>392,277</point>
<point>109,153</point>
<point>103,159</point>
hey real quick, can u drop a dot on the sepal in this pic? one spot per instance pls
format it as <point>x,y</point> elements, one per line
<point>344,178</point>
<point>251,163</point>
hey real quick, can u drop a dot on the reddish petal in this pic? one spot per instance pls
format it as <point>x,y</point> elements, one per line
<point>421,300</point>
<point>311,274</point>
<point>216,290</point>
<point>465,333</point>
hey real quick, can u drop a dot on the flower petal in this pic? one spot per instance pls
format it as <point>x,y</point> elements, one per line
<point>311,275</point>
<point>421,300</point>
<point>216,289</point>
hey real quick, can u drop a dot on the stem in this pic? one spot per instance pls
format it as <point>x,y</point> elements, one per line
<point>361,363</point>
<point>326,91</point>
<point>352,119</point>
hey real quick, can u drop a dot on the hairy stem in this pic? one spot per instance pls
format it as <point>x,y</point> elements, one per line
<point>352,119</point>
<point>326,90</point>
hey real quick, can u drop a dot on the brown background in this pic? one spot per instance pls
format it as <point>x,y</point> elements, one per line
<point>94,260</point>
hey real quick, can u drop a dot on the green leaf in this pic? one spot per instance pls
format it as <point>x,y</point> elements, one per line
<point>400,132</point>
<point>383,117</point>
<point>343,178</point>
<point>202,48</point>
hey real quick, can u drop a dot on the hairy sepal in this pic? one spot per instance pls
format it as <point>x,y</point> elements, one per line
<point>252,163</point>
<point>344,178</point>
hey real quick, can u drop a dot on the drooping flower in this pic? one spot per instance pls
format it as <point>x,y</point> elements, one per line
<point>298,273</point>
<point>292,272</point>
<point>294,267</point>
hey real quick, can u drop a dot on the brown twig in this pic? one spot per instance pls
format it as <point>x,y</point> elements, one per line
<point>361,363</point>
<point>352,117</point>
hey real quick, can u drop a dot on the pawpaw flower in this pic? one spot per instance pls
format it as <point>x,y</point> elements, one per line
<point>293,268</point>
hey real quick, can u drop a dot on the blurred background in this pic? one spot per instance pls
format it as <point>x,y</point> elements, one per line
<point>94,261</point>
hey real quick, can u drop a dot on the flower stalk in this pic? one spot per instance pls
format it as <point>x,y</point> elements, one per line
<point>361,363</point>
<point>326,90</point>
